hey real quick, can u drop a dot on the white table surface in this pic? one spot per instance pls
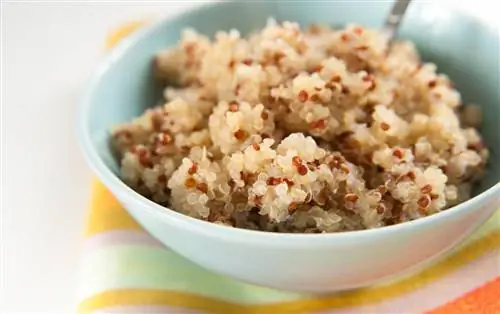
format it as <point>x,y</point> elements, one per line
<point>48,51</point>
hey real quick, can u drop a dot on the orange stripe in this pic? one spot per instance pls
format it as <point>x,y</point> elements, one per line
<point>485,299</point>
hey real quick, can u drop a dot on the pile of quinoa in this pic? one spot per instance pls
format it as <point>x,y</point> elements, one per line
<point>291,130</point>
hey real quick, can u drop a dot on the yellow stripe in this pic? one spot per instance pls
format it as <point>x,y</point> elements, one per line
<point>106,213</point>
<point>346,299</point>
<point>121,32</point>
<point>157,298</point>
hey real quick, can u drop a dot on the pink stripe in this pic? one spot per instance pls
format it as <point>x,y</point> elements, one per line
<point>452,286</point>
<point>120,237</point>
<point>145,309</point>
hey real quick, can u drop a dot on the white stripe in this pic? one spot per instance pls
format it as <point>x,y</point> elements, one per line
<point>119,237</point>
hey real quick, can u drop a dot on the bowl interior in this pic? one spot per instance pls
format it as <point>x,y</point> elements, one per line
<point>461,46</point>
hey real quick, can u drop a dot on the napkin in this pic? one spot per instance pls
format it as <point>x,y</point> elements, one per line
<point>125,270</point>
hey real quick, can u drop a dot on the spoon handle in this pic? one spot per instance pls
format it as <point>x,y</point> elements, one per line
<point>394,18</point>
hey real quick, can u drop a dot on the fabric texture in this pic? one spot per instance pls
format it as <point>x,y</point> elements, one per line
<point>125,270</point>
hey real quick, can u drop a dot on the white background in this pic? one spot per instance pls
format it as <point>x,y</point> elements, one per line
<point>48,51</point>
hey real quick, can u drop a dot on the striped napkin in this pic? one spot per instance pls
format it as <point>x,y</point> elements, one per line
<point>125,270</point>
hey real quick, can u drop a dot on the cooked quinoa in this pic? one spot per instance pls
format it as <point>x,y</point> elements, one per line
<point>290,130</point>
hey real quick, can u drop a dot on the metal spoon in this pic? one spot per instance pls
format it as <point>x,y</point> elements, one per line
<point>394,18</point>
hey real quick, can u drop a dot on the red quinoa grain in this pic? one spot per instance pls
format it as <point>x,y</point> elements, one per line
<point>302,170</point>
<point>426,189</point>
<point>296,161</point>
<point>381,209</point>
<point>350,197</point>
<point>273,181</point>
<point>190,183</point>
<point>192,170</point>
<point>424,201</point>
<point>317,68</point>
<point>315,98</point>
<point>202,187</point>
<point>320,124</point>
<point>234,106</point>
<point>303,96</point>
<point>398,152</point>
<point>288,182</point>
<point>240,135</point>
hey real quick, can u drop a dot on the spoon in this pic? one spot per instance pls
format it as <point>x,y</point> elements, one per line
<point>394,18</point>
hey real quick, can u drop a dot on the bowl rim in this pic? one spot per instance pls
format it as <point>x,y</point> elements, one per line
<point>127,195</point>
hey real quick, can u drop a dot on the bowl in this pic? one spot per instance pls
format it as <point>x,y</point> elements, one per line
<point>123,86</point>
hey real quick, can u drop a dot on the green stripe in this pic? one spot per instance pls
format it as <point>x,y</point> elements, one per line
<point>490,226</point>
<point>139,267</point>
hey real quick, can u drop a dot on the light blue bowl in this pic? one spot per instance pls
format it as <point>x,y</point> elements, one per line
<point>123,87</point>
